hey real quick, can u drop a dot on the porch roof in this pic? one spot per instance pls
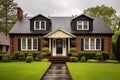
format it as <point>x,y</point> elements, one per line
<point>59,34</point>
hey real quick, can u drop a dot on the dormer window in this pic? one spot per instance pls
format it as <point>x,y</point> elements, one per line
<point>82,25</point>
<point>39,25</point>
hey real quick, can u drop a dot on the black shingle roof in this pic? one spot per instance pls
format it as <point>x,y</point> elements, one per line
<point>64,23</point>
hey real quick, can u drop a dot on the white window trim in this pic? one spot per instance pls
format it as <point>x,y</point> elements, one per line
<point>27,44</point>
<point>94,44</point>
<point>83,25</point>
<point>39,25</point>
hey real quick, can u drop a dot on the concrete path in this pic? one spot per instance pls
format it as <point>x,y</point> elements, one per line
<point>57,71</point>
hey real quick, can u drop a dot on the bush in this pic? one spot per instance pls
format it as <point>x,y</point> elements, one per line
<point>99,56</point>
<point>113,57</point>
<point>30,54</point>
<point>1,55</point>
<point>6,58</point>
<point>21,56</point>
<point>111,61</point>
<point>16,54</point>
<point>92,60</point>
<point>88,55</point>
<point>83,59</point>
<point>45,60</point>
<point>37,58</point>
<point>105,55</point>
<point>29,59</point>
<point>45,49</point>
<point>74,59</point>
<point>73,49</point>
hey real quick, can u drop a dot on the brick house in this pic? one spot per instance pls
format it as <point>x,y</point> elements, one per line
<point>90,34</point>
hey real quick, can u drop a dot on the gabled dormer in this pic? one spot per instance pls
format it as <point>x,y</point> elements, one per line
<point>40,23</point>
<point>82,23</point>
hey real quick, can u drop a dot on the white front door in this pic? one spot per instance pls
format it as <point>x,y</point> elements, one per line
<point>59,47</point>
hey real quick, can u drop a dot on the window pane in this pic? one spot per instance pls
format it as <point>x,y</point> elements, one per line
<point>86,43</point>
<point>85,25</point>
<point>23,43</point>
<point>79,25</point>
<point>34,43</point>
<point>97,43</point>
<point>42,24</point>
<point>92,44</point>
<point>37,24</point>
<point>29,44</point>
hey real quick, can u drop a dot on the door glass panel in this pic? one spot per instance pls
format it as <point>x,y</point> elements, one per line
<point>59,46</point>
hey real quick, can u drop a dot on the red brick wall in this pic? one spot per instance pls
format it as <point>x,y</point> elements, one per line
<point>14,42</point>
<point>107,42</point>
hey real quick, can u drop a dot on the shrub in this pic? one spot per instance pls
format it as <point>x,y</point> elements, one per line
<point>83,59</point>
<point>16,54</point>
<point>74,59</point>
<point>30,54</point>
<point>29,59</point>
<point>111,61</point>
<point>37,58</point>
<point>69,53</point>
<point>99,56</point>
<point>1,55</point>
<point>35,54</point>
<point>21,56</point>
<point>73,49</point>
<point>45,60</point>
<point>105,55</point>
<point>6,58</point>
<point>113,57</point>
<point>45,49</point>
<point>88,55</point>
<point>92,60</point>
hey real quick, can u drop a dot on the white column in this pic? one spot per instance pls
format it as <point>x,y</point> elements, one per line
<point>68,44</point>
<point>50,44</point>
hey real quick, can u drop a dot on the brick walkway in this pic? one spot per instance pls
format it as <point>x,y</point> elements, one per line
<point>57,71</point>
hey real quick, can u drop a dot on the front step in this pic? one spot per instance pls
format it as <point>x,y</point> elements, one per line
<point>59,59</point>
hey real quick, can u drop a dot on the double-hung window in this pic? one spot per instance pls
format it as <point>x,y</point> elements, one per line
<point>82,25</point>
<point>39,25</point>
<point>92,44</point>
<point>29,44</point>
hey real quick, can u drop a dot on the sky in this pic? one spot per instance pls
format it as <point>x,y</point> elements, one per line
<point>63,7</point>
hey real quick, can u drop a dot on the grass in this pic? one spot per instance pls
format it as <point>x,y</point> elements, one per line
<point>94,71</point>
<point>22,70</point>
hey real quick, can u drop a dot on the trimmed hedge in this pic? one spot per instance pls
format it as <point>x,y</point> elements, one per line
<point>83,59</point>
<point>16,54</point>
<point>91,55</point>
<point>1,55</point>
<point>88,55</point>
<point>29,59</point>
<point>45,51</point>
<point>6,58</point>
<point>73,49</point>
<point>74,59</point>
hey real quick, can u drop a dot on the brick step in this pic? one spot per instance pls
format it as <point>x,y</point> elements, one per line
<point>59,59</point>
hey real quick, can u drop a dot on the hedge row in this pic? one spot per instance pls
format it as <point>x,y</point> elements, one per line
<point>17,54</point>
<point>91,55</point>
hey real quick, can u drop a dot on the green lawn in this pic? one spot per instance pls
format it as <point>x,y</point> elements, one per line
<point>94,71</point>
<point>22,70</point>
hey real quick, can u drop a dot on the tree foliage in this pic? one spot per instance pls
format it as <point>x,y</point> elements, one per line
<point>107,13</point>
<point>7,15</point>
<point>117,48</point>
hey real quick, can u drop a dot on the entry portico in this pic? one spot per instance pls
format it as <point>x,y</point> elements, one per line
<point>59,42</point>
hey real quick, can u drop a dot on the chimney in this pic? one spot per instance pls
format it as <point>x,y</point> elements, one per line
<point>19,13</point>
